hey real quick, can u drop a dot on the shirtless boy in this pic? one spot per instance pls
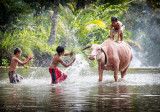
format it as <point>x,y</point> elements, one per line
<point>13,76</point>
<point>56,74</point>
<point>116,27</point>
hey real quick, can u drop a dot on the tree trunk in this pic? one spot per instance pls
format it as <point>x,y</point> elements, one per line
<point>52,37</point>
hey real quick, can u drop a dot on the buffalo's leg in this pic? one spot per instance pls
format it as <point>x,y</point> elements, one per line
<point>100,71</point>
<point>101,75</point>
<point>123,73</point>
<point>116,69</point>
<point>116,75</point>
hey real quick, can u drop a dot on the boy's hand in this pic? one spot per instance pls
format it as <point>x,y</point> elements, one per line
<point>117,40</point>
<point>30,56</point>
<point>71,53</point>
<point>112,38</point>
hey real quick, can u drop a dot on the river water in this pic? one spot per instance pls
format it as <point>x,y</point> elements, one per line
<point>81,91</point>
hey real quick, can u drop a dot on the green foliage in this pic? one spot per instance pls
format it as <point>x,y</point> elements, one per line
<point>27,36</point>
<point>142,20</point>
<point>90,25</point>
<point>10,10</point>
<point>75,29</point>
<point>4,62</point>
<point>26,67</point>
<point>154,4</point>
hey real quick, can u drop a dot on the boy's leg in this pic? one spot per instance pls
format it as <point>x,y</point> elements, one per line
<point>18,77</point>
<point>64,76</point>
<point>14,81</point>
<point>114,33</point>
<point>61,76</point>
<point>53,76</point>
<point>112,37</point>
<point>12,77</point>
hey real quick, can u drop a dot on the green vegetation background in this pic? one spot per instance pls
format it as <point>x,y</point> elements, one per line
<point>27,23</point>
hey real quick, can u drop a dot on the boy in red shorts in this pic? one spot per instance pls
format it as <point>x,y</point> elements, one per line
<point>56,74</point>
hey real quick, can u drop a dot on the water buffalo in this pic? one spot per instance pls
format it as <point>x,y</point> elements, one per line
<point>111,55</point>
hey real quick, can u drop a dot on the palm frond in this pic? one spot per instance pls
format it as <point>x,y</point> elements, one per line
<point>90,26</point>
<point>71,6</point>
<point>97,22</point>
<point>80,13</point>
<point>133,42</point>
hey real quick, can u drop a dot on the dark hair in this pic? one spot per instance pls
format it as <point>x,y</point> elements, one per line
<point>60,49</point>
<point>114,19</point>
<point>17,50</point>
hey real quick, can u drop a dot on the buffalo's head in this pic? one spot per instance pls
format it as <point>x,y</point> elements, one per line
<point>96,52</point>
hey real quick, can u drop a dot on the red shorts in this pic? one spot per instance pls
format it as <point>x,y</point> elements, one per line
<point>57,75</point>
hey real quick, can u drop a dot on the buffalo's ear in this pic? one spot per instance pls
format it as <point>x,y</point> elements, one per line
<point>86,48</point>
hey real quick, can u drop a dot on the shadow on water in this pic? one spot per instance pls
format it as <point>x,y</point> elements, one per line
<point>81,91</point>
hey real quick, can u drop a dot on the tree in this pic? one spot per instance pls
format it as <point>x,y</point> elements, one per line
<point>52,37</point>
<point>10,11</point>
<point>142,20</point>
<point>154,4</point>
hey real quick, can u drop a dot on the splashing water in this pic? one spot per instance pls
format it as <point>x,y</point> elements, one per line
<point>81,88</point>
<point>135,63</point>
<point>80,74</point>
<point>80,71</point>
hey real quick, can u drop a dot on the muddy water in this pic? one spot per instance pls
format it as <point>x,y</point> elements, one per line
<point>81,91</point>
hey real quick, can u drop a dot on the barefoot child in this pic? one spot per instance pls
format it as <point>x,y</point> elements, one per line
<point>57,75</point>
<point>116,27</point>
<point>13,76</point>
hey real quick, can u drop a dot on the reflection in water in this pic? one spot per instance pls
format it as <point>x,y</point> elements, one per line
<point>55,99</point>
<point>85,95</point>
<point>14,100</point>
<point>113,98</point>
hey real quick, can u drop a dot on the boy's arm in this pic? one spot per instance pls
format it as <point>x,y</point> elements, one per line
<point>24,62</point>
<point>66,54</point>
<point>64,64</point>
<point>119,31</point>
<point>111,32</point>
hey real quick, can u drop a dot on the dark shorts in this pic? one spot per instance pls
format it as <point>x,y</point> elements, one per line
<point>57,75</point>
<point>116,31</point>
<point>14,77</point>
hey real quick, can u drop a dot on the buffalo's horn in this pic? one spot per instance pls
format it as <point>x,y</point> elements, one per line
<point>86,47</point>
<point>105,56</point>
